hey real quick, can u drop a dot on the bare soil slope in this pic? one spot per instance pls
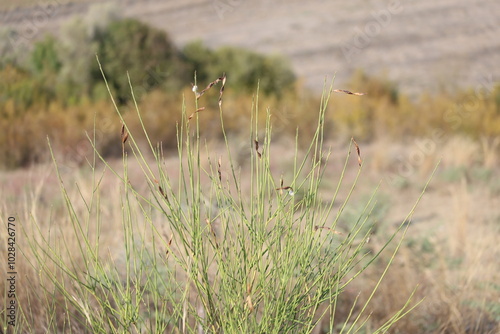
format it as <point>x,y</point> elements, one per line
<point>423,45</point>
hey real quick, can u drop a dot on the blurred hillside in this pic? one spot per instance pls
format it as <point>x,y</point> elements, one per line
<point>421,45</point>
<point>54,86</point>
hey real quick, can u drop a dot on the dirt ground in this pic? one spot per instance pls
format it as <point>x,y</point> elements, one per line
<point>451,249</point>
<point>423,45</point>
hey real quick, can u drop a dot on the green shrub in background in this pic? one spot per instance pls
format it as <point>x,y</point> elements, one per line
<point>76,49</point>
<point>248,69</point>
<point>146,53</point>
<point>199,59</point>
<point>12,51</point>
<point>66,68</point>
<point>44,57</point>
<point>20,91</point>
<point>273,74</point>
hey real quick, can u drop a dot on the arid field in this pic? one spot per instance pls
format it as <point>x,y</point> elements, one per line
<point>422,45</point>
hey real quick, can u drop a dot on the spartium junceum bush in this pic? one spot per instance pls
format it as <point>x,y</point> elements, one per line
<point>207,245</point>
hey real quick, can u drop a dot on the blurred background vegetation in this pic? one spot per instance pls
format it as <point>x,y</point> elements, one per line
<point>58,90</point>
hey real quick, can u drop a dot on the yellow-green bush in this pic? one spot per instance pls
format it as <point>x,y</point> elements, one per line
<point>387,112</point>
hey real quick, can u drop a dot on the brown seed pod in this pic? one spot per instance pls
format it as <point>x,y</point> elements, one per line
<point>358,151</point>
<point>347,92</point>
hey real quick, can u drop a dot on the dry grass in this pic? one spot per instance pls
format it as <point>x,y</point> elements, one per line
<point>451,250</point>
<point>452,246</point>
